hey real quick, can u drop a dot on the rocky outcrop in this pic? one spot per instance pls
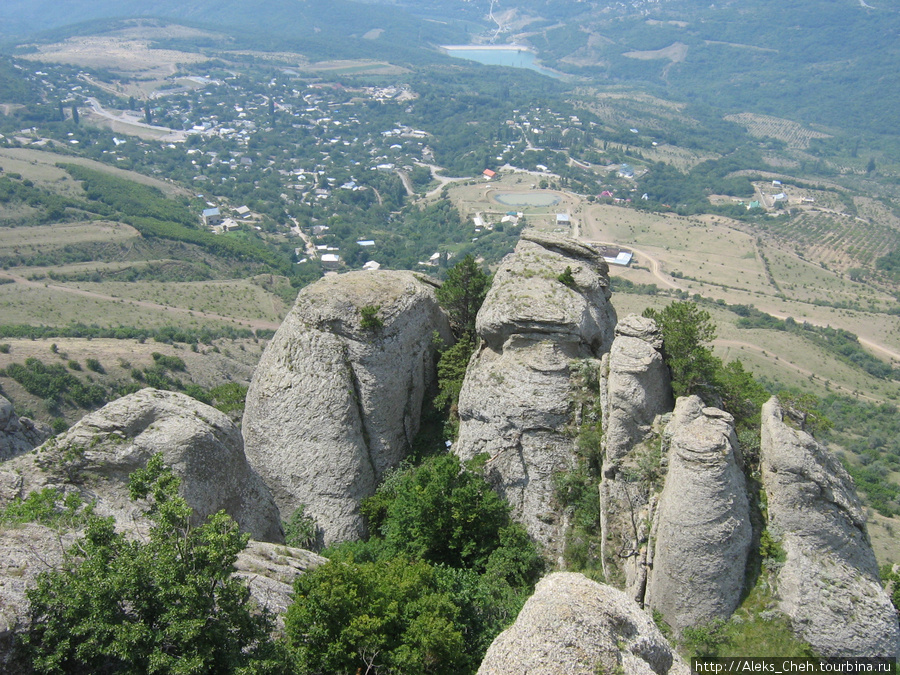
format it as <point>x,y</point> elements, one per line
<point>514,403</point>
<point>335,400</point>
<point>575,626</point>
<point>18,435</point>
<point>269,571</point>
<point>25,552</point>
<point>635,389</point>
<point>829,584</point>
<point>199,443</point>
<point>702,531</point>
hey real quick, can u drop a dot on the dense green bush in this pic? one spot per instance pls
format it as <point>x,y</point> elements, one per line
<point>443,572</point>
<point>162,604</point>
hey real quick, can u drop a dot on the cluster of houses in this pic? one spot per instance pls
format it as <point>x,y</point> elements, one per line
<point>213,218</point>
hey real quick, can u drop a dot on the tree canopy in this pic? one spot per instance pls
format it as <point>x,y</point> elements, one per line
<point>167,604</point>
<point>686,331</point>
<point>462,294</point>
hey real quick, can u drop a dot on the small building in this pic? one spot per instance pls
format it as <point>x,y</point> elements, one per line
<point>330,261</point>
<point>242,211</point>
<point>211,217</point>
<point>366,242</point>
<point>616,256</point>
<point>563,219</point>
<point>371,266</point>
<point>487,173</point>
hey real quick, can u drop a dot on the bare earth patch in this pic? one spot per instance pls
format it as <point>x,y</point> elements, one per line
<point>675,52</point>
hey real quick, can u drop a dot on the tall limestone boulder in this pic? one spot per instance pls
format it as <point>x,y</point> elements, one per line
<point>635,388</point>
<point>514,404</point>
<point>200,444</point>
<point>703,532</point>
<point>18,435</point>
<point>575,626</point>
<point>829,583</point>
<point>335,400</point>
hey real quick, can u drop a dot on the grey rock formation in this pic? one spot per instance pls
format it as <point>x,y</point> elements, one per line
<point>829,584</point>
<point>25,552</point>
<point>200,443</point>
<point>332,404</point>
<point>575,626</point>
<point>18,435</point>
<point>703,531</point>
<point>514,403</point>
<point>635,389</point>
<point>269,570</point>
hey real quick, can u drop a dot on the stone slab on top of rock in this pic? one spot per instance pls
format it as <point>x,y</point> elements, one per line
<point>514,403</point>
<point>335,400</point>
<point>199,443</point>
<point>527,297</point>
<point>575,626</point>
<point>703,534</point>
<point>829,583</point>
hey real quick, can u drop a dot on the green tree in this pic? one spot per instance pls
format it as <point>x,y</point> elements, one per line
<point>75,113</point>
<point>462,294</point>
<point>686,330</point>
<point>451,370</point>
<point>166,604</point>
<point>367,617</point>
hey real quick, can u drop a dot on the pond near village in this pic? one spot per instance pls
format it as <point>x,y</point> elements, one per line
<point>527,198</point>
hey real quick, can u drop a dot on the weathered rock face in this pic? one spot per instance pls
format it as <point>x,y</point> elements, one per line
<point>333,404</point>
<point>198,442</point>
<point>25,552</point>
<point>703,531</point>
<point>829,584</point>
<point>18,435</point>
<point>514,403</point>
<point>269,571</point>
<point>575,626</point>
<point>635,389</point>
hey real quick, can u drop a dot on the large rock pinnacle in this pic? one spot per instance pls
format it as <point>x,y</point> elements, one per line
<point>829,584</point>
<point>335,401</point>
<point>514,403</point>
<point>703,533</point>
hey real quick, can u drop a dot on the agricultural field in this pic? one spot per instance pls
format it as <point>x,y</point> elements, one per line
<point>40,167</point>
<point>30,240</point>
<point>237,298</point>
<point>763,126</point>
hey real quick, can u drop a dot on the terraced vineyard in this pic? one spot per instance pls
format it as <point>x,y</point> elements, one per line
<point>837,240</point>
<point>763,126</point>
